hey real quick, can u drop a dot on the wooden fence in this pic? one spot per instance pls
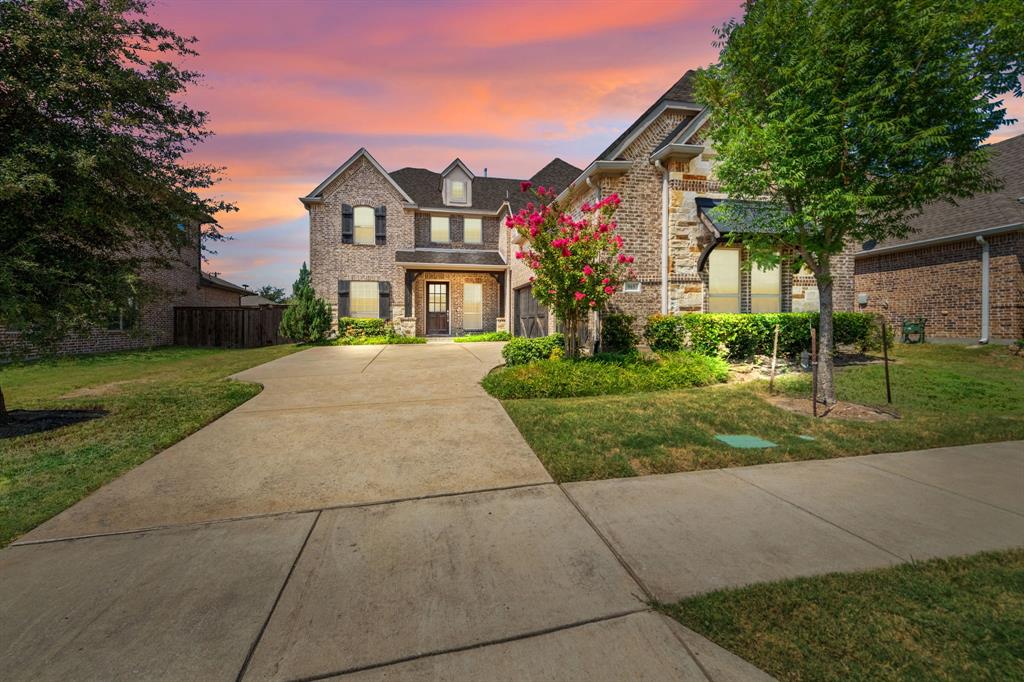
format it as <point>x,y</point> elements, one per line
<point>228,327</point>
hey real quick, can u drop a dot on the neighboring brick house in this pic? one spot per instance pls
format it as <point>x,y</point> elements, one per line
<point>663,169</point>
<point>961,268</point>
<point>152,324</point>
<point>423,249</point>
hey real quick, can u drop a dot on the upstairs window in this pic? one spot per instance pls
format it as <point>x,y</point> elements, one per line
<point>457,192</point>
<point>439,229</point>
<point>363,221</point>
<point>364,299</point>
<point>473,231</point>
<point>724,281</point>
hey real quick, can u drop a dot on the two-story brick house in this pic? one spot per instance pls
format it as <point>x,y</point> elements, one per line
<point>428,250</point>
<point>424,249</point>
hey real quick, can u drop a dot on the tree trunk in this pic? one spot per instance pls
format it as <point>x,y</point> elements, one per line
<point>826,382</point>
<point>571,339</point>
<point>4,417</point>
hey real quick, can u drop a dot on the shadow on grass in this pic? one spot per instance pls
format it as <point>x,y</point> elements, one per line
<point>26,422</point>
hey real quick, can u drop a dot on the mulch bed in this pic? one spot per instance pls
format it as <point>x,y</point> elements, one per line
<point>840,410</point>
<point>25,422</point>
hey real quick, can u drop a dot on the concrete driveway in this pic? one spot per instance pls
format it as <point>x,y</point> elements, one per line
<point>334,426</point>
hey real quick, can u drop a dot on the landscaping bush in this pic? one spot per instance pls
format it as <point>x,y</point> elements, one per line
<point>737,336</point>
<point>393,339</point>
<point>604,374</point>
<point>617,332</point>
<point>364,326</point>
<point>307,318</point>
<point>521,350</point>
<point>485,336</point>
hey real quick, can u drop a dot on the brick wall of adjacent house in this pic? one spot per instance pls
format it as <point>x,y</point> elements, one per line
<point>214,296</point>
<point>943,284</point>
<point>639,220</point>
<point>456,282</point>
<point>330,260</point>
<point>177,285</point>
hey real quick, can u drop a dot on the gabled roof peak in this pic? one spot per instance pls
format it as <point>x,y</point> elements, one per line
<point>457,163</point>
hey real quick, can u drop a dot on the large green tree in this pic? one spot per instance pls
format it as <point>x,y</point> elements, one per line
<point>93,187</point>
<point>848,117</point>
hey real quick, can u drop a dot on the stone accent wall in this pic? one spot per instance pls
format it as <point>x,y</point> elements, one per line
<point>488,228</point>
<point>943,283</point>
<point>330,260</point>
<point>456,280</point>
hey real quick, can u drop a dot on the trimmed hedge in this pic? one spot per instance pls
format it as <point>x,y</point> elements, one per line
<point>521,350</point>
<point>604,374</point>
<point>363,326</point>
<point>393,340</point>
<point>483,336</point>
<point>738,336</point>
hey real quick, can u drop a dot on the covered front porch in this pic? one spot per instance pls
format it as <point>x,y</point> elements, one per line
<point>448,301</point>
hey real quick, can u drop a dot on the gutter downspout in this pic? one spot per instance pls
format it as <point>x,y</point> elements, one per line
<point>664,236</point>
<point>984,289</point>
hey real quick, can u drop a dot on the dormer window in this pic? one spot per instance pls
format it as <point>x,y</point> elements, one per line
<point>457,192</point>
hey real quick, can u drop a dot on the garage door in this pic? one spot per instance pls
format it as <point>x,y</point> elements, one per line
<point>531,316</point>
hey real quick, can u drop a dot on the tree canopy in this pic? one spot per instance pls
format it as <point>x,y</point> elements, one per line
<point>93,186</point>
<point>848,117</point>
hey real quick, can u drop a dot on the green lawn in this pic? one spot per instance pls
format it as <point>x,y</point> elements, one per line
<point>153,399</point>
<point>947,395</point>
<point>956,619</point>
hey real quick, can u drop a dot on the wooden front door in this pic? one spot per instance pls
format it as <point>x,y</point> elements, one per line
<point>437,308</point>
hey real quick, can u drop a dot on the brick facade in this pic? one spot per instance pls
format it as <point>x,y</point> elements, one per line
<point>456,283</point>
<point>177,285</point>
<point>943,284</point>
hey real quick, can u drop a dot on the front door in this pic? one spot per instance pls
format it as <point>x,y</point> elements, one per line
<point>437,308</point>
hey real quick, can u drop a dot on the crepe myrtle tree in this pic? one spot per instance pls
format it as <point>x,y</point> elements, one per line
<point>577,265</point>
<point>847,117</point>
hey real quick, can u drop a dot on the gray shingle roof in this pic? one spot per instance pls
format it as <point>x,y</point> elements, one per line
<point>681,91</point>
<point>453,257</point>
<point>981,211</point>
<point>208,280</point>
<point>424,186</point>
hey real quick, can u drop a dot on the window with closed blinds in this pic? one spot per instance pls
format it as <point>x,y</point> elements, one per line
<point>765,290</point>
<point>363,231</point>
<point>473,232</point>
<point>439,229</point>
<point>364,299</point>
<point>473,307</point>
<point>724,281</point>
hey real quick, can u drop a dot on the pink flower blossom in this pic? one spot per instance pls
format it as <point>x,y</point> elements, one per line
<point>534,231</point>
<point>605,280</point>
<point>525,185</point>
<point>622,258</point>
<point>566,253</point>
<point>519,254</point>
<point>593,303</point>
<point>579,295</point>
<point>609,290</point>
<point>629,259</point>
<point>587,270</point>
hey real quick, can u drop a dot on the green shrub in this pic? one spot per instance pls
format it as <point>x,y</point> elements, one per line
<point>521,350</point>
<point>485,336</point>
<point>604,374</point>
<point>617,332</point>
<point>307,318</point>
<point>393,340</point>
<point>364,326</point>
<point>737,336</point>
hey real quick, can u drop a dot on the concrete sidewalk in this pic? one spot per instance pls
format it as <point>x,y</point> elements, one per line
<point>373,515</point>
<point>684,534</point>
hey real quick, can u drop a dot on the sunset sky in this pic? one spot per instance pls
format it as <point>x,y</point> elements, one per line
<point>294,88</point>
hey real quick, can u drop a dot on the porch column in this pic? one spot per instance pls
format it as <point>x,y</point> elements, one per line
<point>410,277</point>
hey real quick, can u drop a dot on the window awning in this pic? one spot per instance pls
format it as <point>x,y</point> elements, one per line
<point>730,219</point>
